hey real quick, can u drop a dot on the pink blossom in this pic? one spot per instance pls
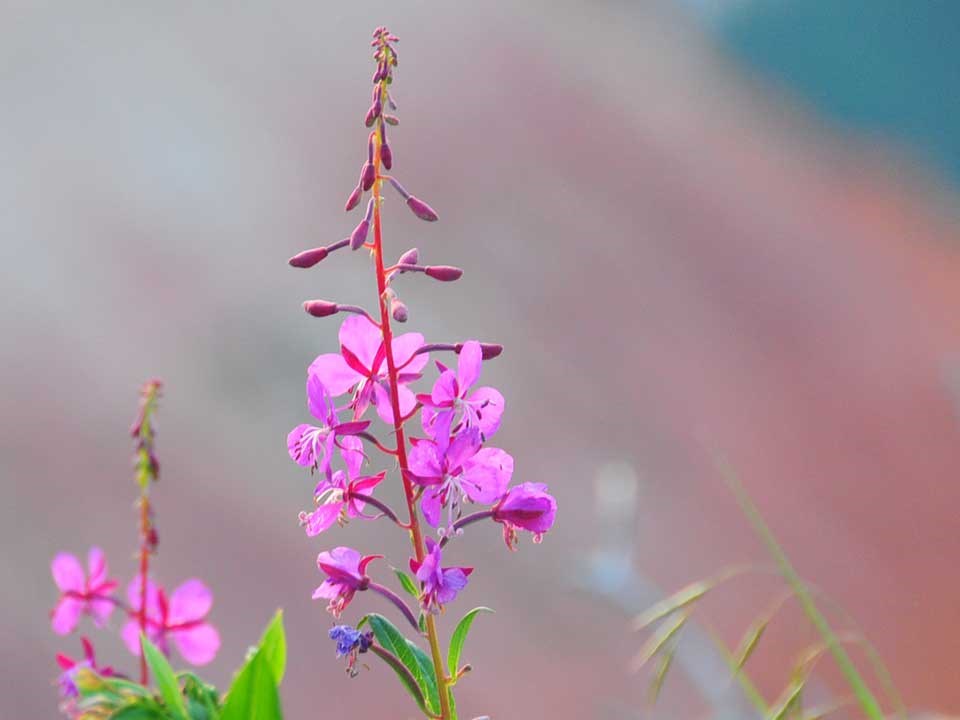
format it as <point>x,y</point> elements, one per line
<point>310,445</point>
<point>451,395</point>
<point>529,507</point>
<point>440,584</point>
<point>68,678</point>
<point>181,618</point>
<point>346,574</point>
<point>81,593</point>
<point>361,367</point>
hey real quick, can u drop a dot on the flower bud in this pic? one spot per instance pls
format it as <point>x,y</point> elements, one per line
<point>399,311</point>
<point>421,209</point>
<point>368,176</point>
<point>386,155</point>
<point>354,198</point>
<point>320,308</point>
<point>391,119</point>
<point>371,116</point>
<point>359,235</point>
<point>308,258</point>
<point>443,273</point>
<point>410,257</point>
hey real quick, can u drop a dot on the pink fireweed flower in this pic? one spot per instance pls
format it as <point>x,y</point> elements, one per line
<point>312,446</point>
<point>361,367</point>
<point>440,584</point>
<point>335,495</point>
<point>529,507</point>
<point>455,470</point>
<point>451,395</point>
<point>346,574</point>
<point>181,618</point>
<point>67,681</point>
<point>81,593</point>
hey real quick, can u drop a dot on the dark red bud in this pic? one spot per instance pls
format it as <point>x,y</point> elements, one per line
<point>444,273</point>
<point>354,198</point>
<point>421,209</point>
<point>386,156</point>
<point>368,176</point>
<point>308,258</point>
<point>410,257</point>
<point>320,308</point>
<point>488,351</point>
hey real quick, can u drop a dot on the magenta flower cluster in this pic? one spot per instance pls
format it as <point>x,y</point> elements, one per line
<point>451,473</point>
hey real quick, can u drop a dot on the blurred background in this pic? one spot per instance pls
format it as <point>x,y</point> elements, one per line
<point>701,228</point>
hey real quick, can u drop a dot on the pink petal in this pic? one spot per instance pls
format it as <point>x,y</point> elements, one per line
<point>322,518</point>
<point>351,449</point>
<point>468,364</point>
<point>199,644</point>
<point>362,338</point>
<point>100,610</point>
<point>384,405</point>
<point>487,474</point>
<point>334,373</point>
<point>131,636</point>
<point>430,505</point>
<point>463,447</point>
<point>327,589</point>
<point>153,597</point>
<point>68,573</point>
<point>66,615</point>
<point>96,566</point>
<point>404,346</point>
<point>444,390</point>
<point>319,399</point>
<point>489,404</point>
<point>301,450</point>
<point>191,601</point>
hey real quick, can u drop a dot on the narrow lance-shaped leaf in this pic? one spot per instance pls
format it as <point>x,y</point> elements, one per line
<point>748,643</point>
<point>403,673</point>
<point>459,637</point>
<point>165,679</point>
<point>253,695</point>
<point>680,599</point>
<point>412,657</point>
<point>406,582</point>
<point>664,664</point>
<point>273,646</point>
<point>788,700</point>
<point>660,637</point>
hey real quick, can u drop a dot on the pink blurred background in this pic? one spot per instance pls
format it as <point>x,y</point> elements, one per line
<point>683,258</point>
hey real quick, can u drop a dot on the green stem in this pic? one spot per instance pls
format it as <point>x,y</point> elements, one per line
<point>865,698</point>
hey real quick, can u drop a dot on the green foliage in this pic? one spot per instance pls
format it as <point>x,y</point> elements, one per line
<point>165,679</point>
<point>253,695</point>
<point>413,660</point>
<point>459,637</point>
<point>409,586</point>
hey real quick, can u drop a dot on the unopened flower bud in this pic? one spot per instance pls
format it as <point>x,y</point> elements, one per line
<point>391,119</point>
<point>320,308</point>
<point>354,198</point>
<point>410,257</point>
<point>488,351</point>
<point>368,120</point>
<point>368,176</point>
<point>308,258</point>
<point>421,209</point>
<point>359,235</point>
<point>399,311</point>
<point>443,273</point>
<point>386,155</point>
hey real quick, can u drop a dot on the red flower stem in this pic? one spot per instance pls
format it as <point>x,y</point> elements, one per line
<point>416,534</point>
<point>144,570</point>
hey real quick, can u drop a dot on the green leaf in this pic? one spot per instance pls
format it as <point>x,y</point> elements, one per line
<point>412,657</point>
<point>680,599</point>
<point>403,673</point>
<point>273,646</point>
<point>749,642</point>
<point>164,678</point>
<point>139,712</point>
<point>253,695</point>
<point>459,637</point>
<point>658,640</point>
<point>407,582</point>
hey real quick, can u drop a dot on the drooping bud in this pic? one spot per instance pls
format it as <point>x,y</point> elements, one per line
<point>354,198</point>
<point>368,176</point>
<point>443,273</point>
<point>391,119</point>
<point>386,155</point>
<point>320,308</point>
<point>488,351</point>
<point>359,235</point>
<point>399,311</point>
<point>421,209</point>
<point>371,116</point>
<point>410,257</point>
<point>308,258</point>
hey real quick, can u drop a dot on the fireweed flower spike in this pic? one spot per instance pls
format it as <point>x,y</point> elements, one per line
<point>439,473</point>
<point>440,584</point>
<point>180,619</point>
<point>81,593</point>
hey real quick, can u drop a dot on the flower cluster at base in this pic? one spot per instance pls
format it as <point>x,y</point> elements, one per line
<point>452,477</point>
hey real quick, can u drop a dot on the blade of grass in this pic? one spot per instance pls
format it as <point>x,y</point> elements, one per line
<point>865,698</point>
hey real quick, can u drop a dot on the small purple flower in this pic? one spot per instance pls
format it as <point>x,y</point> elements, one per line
<point>350,643</point>
<point>361,366</point>
<point>451,395</point>
<point>81,593</point>
<point>346,574</point>
<point>529,507</point>
<point>455,470</point>
<point>440,584</point>
<point>312,446</point>
<point>334,495</point>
